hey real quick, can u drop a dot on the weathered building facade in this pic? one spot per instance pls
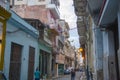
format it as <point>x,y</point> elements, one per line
<point>105,36</point>
<point>47,12</point>
<point>105,16</point>
<point>4,16</point>
<point>21,57</point>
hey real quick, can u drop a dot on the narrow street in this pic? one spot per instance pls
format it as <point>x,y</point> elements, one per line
<point>79,76</point>
<point>46,39</point>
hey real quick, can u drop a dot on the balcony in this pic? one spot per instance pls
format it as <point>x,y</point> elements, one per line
<point>61,51</point>
<point>60,58</point>
<point>82,40</point>
<point>61,39</point>
<point>67,35</point>
<point>80,7</point>
<point>54,29</point>
<point>103,11</point>
<point>3,4</point>
<point>54,10</point>
<point>56,50</point>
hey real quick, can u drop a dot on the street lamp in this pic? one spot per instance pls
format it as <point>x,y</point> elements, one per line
<point>82,51</point>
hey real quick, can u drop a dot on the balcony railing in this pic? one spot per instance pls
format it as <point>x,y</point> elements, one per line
<point>54,10</point>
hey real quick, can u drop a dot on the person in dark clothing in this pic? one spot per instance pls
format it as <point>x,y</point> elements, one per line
<point>73,74</point>
<point>37,74</point>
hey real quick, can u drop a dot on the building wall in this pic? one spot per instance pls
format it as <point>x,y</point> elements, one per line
<point>69,55</point>
<point>105,56</point>
<point>109,64</point>
<point>94,52</point>
<point>35,12</point>
<point>24,39</point>
<point>119,38</point>
<point>18,2</point>
<point>4,16</point>
<point>30,2</point>
<point>60,58</point>
<point>99,53</point>
<point>91,48</point>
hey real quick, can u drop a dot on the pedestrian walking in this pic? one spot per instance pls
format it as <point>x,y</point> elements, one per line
<point>37,74</point>
<point>72,74</point>
<point>91,75</point>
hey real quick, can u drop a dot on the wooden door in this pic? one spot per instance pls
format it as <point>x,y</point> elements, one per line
<point>15,62</point>
<point>31,63</point>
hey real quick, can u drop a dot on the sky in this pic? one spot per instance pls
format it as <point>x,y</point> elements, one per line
<point>67,13</point>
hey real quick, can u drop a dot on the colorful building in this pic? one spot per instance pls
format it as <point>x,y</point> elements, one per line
<point>21,50</point>
<point>4,16</point>
<point>47,12</point>
<point>103,29</point>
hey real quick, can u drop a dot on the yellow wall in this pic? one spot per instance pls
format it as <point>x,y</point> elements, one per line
<point>2,45</point>
<point>4,16</point>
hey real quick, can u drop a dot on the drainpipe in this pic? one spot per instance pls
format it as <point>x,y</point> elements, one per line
<point>101,10</point>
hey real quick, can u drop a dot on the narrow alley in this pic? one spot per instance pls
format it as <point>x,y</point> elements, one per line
<point>50,39</point>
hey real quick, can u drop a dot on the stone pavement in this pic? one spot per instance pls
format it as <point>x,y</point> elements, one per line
<point>79,76</point>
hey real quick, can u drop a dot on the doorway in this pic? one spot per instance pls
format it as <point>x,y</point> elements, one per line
<point>114,29</point>
<point>15,61</point>
<point>31,63</point>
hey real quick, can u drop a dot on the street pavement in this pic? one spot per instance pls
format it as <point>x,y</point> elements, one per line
<point>79,76</point>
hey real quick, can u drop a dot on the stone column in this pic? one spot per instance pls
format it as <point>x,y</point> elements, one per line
<point>109,64</point>
<point>99,53</point>
<point>111,58</point>
<point>105,56</point>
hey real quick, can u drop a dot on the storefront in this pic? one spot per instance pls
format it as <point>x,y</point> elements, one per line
<point>4,16</point>
<point>45,59</point>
